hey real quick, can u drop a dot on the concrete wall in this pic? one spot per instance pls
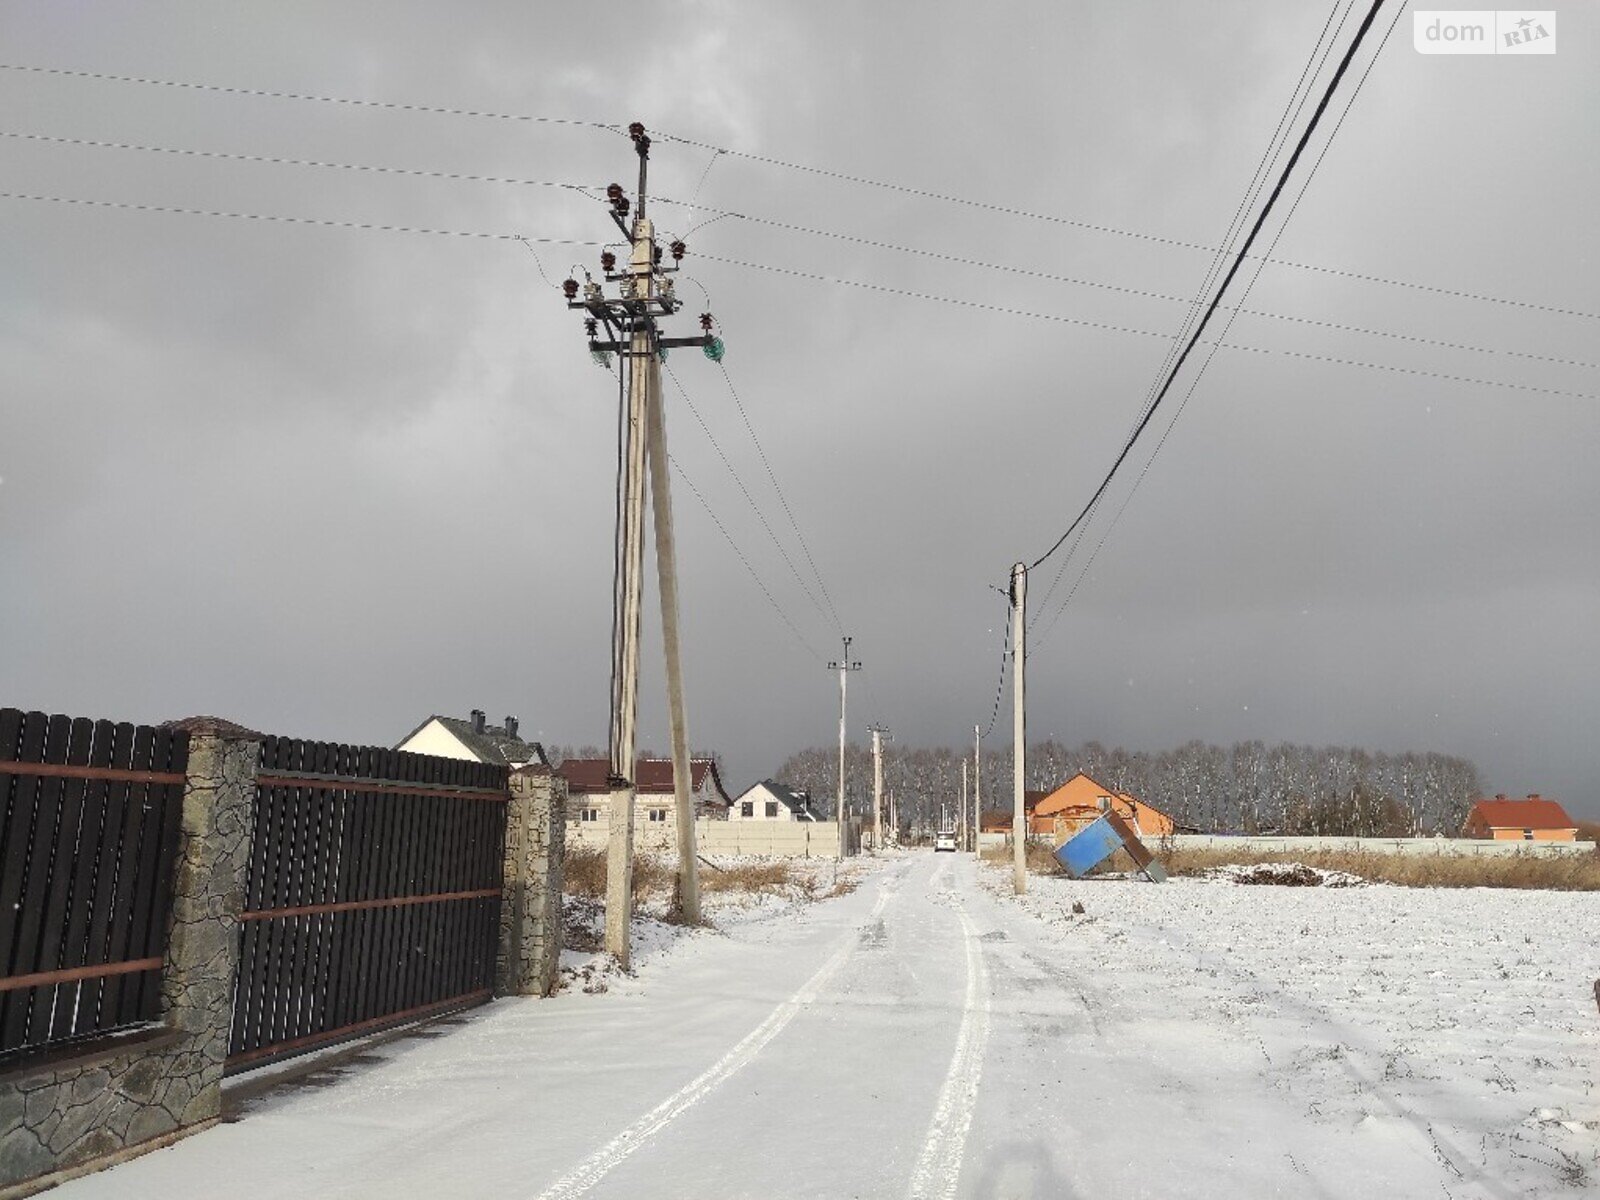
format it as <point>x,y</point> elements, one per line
<point>70,1110</point>
<point>1291,845</point>
<point>766,839</point>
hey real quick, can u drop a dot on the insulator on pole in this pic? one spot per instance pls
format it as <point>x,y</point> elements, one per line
<point>706,321</point>
<point>570,288</point>
<point>679,250</point>
<point>608,261</point>
<point>715,349</point>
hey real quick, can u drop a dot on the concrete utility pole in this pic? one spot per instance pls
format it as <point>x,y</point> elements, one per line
<point>877,787</point>
<point>963,821</point>
<point>1019,659</point>
<point>844,666</point>
<point>631,331</point>
<point>977,790</point>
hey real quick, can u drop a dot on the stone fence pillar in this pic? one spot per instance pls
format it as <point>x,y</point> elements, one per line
<point>530,908</point>
<point>82,1108</point>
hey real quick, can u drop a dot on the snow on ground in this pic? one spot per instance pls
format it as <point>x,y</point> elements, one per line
<point>1460,1019</point>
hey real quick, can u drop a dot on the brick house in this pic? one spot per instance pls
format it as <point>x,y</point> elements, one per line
<point>1082,799</point>
<point>1532,820</point>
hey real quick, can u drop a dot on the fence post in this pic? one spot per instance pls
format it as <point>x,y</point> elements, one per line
<point>530,907</point>
<point>216,825</point>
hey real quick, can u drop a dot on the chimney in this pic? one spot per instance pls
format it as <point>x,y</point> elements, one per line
<point>1533,796</point>
<point>1499,795</point>
<point>478,720</point>
<point>511,727</point>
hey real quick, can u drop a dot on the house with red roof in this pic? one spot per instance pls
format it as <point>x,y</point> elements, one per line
<point>589,796</point>
<point>1532,820</point>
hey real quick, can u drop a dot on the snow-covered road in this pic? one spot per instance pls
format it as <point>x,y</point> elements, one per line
<point>925,1036</point>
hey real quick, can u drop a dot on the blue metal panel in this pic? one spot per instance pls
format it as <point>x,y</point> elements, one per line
<point>1092,844</point>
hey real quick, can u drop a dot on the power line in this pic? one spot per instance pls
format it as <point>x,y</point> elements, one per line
<point>272,160</point>
<point>760,583</point>
<point>745,491</point>
<point>1005,658</point>
<point>1047,218</point>
<point>1291,112</point>
<point>1195,382</point>
<point>1108,327</point>
<point>347,101</point>
<point>275,218</point>
<point>782,499</point>
<point>1216,300</point>
<point>1004,310</point>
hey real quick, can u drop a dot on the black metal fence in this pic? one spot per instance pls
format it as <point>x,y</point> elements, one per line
<point>373,896</point>
<point>88,828</point>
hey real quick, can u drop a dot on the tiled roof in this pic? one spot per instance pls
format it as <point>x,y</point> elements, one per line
<point>653,776</point>
<point>1532,813</point>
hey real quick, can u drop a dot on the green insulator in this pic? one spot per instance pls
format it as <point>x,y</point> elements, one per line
<point>602,358</point>
<point>661,353</point>
<point>715,349</point>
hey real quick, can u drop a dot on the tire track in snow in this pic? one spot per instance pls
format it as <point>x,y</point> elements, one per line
<point>599,1164</point>
<point>938,1168</point>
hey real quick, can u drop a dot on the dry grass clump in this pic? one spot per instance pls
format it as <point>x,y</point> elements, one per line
<point>583,873</point>
<point>1564,872</point>
<point>1041,859</point>
<point>773,876</point>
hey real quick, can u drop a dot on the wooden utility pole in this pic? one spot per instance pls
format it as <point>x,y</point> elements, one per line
<point>844,666</point>
<point>631,331</point>
<point>977,790</point>
<point>1019,658</point>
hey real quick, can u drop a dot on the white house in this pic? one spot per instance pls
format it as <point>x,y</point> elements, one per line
<point>474,739</point>
<point>589,793</point>
<point>771,801</point>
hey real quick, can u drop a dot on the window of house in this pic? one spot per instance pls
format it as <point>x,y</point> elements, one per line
<point>747,809</point>
<point>772,808</point>
<point>658,814</point>
<point>588,814</point>
<point>1527,835</point>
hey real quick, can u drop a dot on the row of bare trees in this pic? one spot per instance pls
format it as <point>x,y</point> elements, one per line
<point>1250,787</point>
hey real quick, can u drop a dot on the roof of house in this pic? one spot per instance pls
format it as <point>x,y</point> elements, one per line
<point>493,745</point>
<point>652,776</point>
<point>1082,793</point>
<point>1533,813</point>
<point>797,802</point>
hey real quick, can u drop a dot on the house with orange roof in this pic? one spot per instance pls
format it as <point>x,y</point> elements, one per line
<point>1532,820</point>
<point>1082,799</point>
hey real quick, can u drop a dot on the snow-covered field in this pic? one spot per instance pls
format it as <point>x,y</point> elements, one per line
<point>1461,1021</point>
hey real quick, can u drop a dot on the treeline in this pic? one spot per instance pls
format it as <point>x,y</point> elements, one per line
<point>1249,787</point>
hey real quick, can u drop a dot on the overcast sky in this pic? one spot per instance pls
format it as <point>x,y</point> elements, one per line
<point>327,481</point>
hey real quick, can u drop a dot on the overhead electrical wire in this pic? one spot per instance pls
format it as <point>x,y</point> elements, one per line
<point>1006,310</point>
<point>936,255</point>
<point>738,480</point>
<point>617,128</point>
<point>347,101</point>
<point>1216,300</point>
<point>1292,109</point>
<point>1221,340</point>
<point>754,574</point>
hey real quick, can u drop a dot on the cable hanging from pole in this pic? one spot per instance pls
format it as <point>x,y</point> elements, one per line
<point>1233,270</point>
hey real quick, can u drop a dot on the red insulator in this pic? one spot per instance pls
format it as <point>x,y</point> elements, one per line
<point>679,250</point>
<point>608,261</point>
<point>655,254</point>
<point>706,322</point>
<point>614,192</point>
<point>636,130</point>
<point>570,287</point>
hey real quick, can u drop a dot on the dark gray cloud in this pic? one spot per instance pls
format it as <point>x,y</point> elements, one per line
<point>368,476</point>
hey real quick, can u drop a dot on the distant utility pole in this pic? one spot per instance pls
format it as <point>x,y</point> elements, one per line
<point>1019,658</point>
<point>844,666</point>
<point>963,822</point>
<point>977,789</point>
<point>877,786</point>
<point>646,294</point>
